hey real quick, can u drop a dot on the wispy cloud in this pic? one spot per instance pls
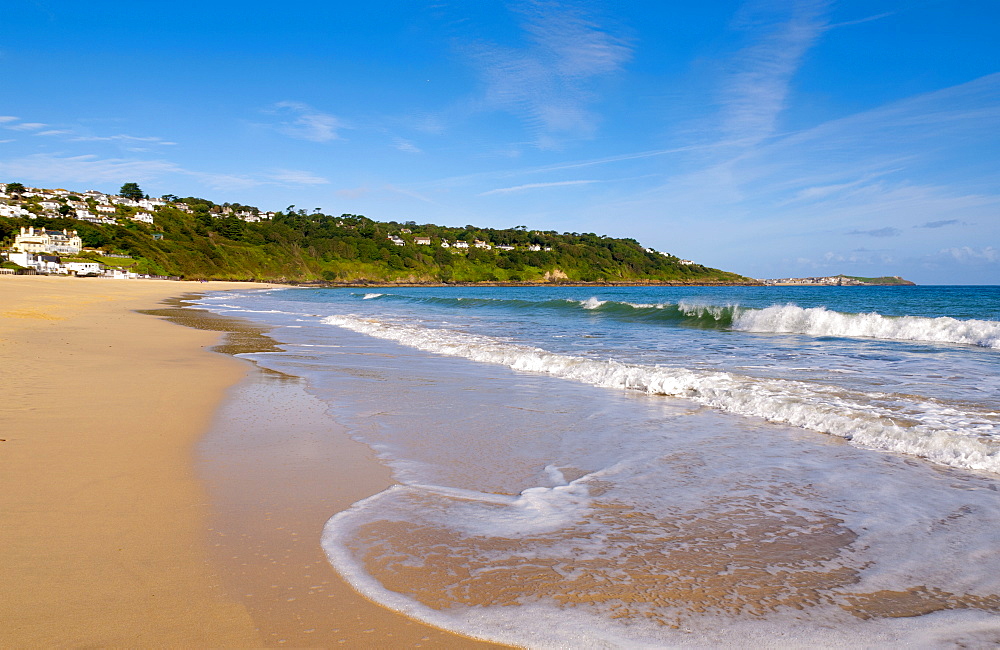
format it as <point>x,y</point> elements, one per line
<point>756,88</point>
<point>970,255</point>
<point>546,82</point>
<point>127,139</point>
<point>535,186</point>
<point>941,224</point>
<point>353,192</point>
<point>878,232</point>
<point>85,169</point>
<point>406,146</point>
<point>26,126</point>
<point>383,191</point>
<point>298,177</point>
<point>303,122</point>
<point>8,118</point>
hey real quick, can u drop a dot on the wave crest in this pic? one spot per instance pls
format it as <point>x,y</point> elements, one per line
<point>910,425</point>
<point>819,321</point>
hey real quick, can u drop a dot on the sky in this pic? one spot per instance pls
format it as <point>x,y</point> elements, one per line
<point>772,138</point>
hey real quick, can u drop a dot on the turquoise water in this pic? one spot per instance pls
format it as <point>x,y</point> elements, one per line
<point>665,466</point>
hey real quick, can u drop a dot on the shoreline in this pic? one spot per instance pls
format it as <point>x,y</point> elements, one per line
<point>103,514</point>
<point>276,466</point>
<point>111,529</point>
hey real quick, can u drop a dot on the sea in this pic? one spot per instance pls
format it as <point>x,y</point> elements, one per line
<point>596,467</point>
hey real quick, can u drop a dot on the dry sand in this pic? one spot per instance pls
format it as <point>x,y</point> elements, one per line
<point>105,524</point>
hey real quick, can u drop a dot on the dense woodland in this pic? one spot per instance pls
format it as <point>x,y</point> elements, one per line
<point>295,246</point>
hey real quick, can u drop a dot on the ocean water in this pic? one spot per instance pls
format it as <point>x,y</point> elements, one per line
<point>657,466</point>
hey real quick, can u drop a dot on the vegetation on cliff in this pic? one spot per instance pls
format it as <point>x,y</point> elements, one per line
<point>194,238</point>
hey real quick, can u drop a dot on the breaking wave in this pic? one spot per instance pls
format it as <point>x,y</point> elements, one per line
<point>776,319</point>
<point>931,429</point>
<point>819,321</point>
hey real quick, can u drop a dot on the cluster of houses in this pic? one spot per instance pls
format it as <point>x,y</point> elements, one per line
<point>97,207</point>
<point>829,281</point>
<point>460,244</point>
<point>92,206</point>
<point>39,250</point>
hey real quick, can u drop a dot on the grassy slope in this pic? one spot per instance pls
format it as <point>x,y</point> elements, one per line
<point>299,248</point>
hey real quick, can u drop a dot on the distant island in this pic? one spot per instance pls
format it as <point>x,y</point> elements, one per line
<point>840,281</point>
<point>133,235</point>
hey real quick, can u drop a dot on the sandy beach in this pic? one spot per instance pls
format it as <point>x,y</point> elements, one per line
<point>111,523</point>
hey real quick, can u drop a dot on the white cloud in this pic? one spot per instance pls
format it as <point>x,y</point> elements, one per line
<point>969,255</point>
<point>304,122</point>
<point>8,118</point>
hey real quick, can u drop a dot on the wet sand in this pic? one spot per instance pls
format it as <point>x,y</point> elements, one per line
<point>109,533</point>
<point>276,467</point>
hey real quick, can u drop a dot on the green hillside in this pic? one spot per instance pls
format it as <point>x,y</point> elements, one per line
<point>882,281</point>
<point>295,246</point>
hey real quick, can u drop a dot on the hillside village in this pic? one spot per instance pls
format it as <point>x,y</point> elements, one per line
<point>47,251</point>
<point>836,281</point>
<point>131,235</point>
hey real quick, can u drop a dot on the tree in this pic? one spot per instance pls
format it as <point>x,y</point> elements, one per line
<point>16,189</point>
<point>131,191</point>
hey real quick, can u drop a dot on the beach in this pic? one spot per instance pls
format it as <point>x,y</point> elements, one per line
<point>107,527</point>
<point>626,466</point>
<point>538,467</point>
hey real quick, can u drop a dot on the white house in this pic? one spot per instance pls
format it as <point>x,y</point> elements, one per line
<point>48,241</point>
<point>461,244</point>
<point>481,244</point>
<point>38,261</point>
<point>423,241</point>
<point>105,208</point>
<point>14,211</point>
<point>445,244</point>
<point>150,204</point>
<point>506,248</point>
<point>49,205</point>
<point>80,267</point>
<point>144,217</point>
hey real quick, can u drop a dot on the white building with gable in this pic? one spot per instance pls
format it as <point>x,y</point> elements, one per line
<point>62,242</point>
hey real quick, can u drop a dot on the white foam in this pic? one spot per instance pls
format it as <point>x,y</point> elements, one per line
<point>370,296</point>
<point>937,431</point>
<point>819,321</point>
<point>592,303</point>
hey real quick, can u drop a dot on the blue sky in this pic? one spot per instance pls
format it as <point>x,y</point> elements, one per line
<point>770,138</point>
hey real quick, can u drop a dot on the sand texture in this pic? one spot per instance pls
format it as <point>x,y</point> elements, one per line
<point>103,518</point>
<point>123,524</point>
